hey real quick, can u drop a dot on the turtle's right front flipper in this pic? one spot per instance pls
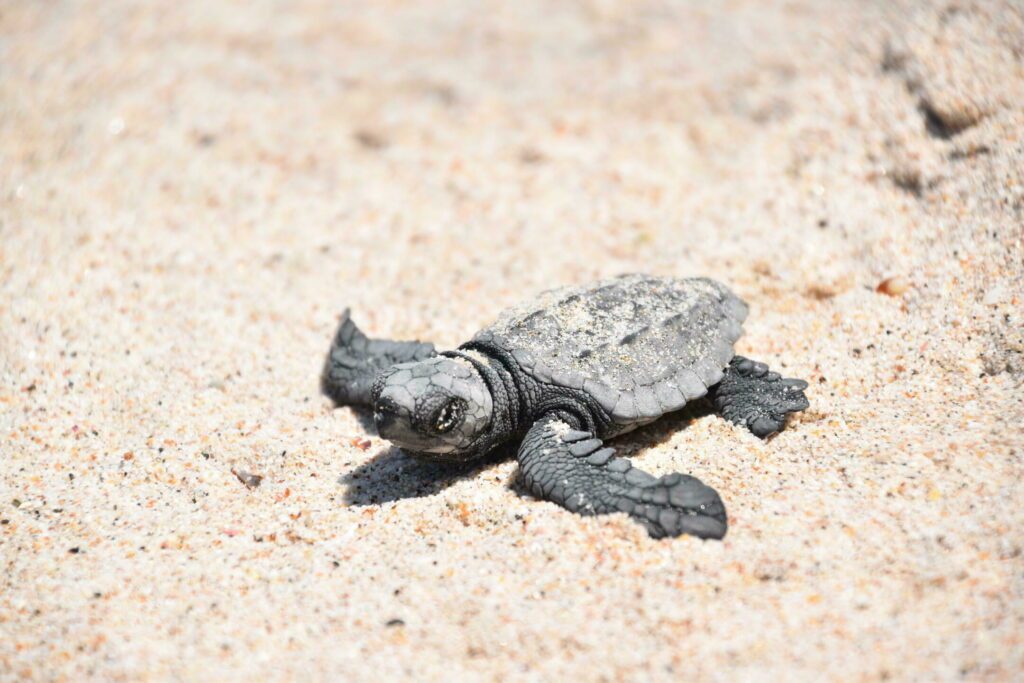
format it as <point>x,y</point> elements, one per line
<point>575,470</point>
<point>354,361</point>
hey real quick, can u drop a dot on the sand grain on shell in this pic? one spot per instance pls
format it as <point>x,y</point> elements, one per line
<point>190,197</point>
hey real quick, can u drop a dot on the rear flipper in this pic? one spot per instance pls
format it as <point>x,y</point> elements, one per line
<point>752,396</point>
<point>573,469</point>
<point>354,361</point>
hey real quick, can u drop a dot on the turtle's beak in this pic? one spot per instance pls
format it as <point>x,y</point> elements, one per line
<point>387,416</point>
<point>392,413</point>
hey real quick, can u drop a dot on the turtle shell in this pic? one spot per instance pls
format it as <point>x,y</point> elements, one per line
<point>642,346</point>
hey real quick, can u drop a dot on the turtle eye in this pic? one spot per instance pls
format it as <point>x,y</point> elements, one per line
<point>448,416</point>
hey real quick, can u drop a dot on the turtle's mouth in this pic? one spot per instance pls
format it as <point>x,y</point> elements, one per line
<point>408,440</point>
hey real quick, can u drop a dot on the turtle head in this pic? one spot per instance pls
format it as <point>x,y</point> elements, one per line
<point>437,407</point>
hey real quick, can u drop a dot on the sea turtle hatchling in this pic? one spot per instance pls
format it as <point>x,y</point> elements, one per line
<point>564,373</point>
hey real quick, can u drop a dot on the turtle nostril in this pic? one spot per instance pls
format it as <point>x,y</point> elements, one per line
<point>383,415</point>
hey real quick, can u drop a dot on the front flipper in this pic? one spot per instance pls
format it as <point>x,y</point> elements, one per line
<point>354,361</point>
<point>573,469</point>
<point>750,395</point>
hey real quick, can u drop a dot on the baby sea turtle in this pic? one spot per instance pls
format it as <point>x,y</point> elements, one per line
<point>564,373</point>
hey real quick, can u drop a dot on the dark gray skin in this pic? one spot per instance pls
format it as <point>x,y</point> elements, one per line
<point>564,373</point>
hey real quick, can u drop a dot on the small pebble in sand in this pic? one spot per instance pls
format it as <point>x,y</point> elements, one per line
<point>369,139</point>
<point>893,286</point>
<point>531,155</point>
<point>250,480</point>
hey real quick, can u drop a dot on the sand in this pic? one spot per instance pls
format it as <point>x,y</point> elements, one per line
<point>190,193</point>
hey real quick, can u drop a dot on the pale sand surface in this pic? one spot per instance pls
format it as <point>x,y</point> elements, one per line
<point>190,195</point>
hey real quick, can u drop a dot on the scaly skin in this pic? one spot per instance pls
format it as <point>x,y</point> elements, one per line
<point>575,470</point>
<point>752,396</point>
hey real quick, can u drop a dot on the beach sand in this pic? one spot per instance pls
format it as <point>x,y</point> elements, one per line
<point>190,193</point>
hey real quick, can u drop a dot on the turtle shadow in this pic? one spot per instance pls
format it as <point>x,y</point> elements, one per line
<point>392,474</point>
<point>662,429</point>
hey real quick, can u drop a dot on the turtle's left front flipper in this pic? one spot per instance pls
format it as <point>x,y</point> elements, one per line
<point>575,470</point>
<point>355,360</point>
<point>751,395</point>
